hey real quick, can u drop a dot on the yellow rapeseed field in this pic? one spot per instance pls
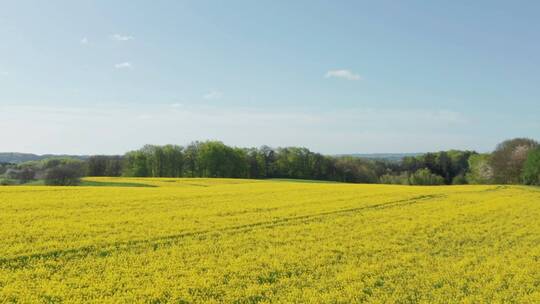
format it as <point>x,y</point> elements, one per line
<point>248,241</point>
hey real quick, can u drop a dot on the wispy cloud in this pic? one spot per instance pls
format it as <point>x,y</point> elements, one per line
<point>123,65</point>
<point>213,95</point>
<point>338,131</point>
<point>119,37</point>
<point>177,105</point>
<point>84,41</point>
<point>145,116</point>
<point>343,74</point>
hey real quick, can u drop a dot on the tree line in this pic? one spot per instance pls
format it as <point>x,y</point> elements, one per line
<point>52,171</point>
<point>514,161</point>
<point>215,159</point>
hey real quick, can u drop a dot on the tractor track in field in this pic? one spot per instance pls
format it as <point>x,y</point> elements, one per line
<point>163,241</point>
<point>168,240</point>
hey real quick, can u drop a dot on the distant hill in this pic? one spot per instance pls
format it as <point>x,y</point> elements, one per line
<point>16,158</point>
<point>383,156</point>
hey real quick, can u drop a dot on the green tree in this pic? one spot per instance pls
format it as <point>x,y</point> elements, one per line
<point>97,165</point>
<point>136,164</point>
<point>114,166</point>
<point>354,170</point>
<point>255,163</point>
<point>480,171</point>
<point>63,172</point>
<point>531,170</point>
<point>459,165</point>
<point>173,160</point>
<point>269,159</point>
<point>215,159</point>
<point>191,160</point>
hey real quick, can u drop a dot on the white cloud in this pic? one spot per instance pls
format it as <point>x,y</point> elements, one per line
<point>343,74</point>
<point>213,95</point>
<point>123,65</point>
<point>118,37</point>
<point>84,41</point>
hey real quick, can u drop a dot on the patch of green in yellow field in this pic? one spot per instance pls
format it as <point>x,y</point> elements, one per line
<point>248,241</point>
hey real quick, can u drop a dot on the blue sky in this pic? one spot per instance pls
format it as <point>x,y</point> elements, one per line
<point>334,76</point>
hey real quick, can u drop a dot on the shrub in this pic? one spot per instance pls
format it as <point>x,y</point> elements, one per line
<point>402,179</point>
<point>425,177</point>
<point>26,175</point>
<point>5,182</point>
<point>64,175</point>
<point>23,175</point>
<point>459,180</point>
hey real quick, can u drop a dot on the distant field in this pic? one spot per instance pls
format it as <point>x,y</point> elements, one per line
<point>249,241</point>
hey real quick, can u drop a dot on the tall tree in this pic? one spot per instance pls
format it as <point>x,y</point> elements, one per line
<point>531,170</point>
<point>508,159</point>
<point>191,166</point>
<point>136,164</point>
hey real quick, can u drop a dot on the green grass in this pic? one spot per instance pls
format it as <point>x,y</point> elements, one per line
<point>311,181</point>
<point>88,183</point>
<point>37,182</point>
<point>15,182</point>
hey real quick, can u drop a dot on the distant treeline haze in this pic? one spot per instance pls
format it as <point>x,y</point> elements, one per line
<point>514,161</point>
